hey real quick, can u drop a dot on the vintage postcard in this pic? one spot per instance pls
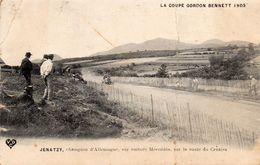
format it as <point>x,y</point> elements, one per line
<point>133,82</point>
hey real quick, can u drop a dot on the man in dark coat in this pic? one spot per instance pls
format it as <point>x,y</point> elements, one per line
<point>26,68</point>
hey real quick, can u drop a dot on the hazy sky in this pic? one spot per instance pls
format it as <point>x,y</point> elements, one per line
<point>73,28</point>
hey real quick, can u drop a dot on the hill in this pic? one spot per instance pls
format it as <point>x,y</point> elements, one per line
<point>56,58</point>
<point>155,44</point>
<point>168,44</point>
<point>158,47</point>
<point>213,43</point>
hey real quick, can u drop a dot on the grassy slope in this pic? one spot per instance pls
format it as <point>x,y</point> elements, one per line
<point>77,111</point>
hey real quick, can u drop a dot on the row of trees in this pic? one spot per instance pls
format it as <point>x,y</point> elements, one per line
<point>122,71</point>
<point>220,68</point>
<point>227,69</point>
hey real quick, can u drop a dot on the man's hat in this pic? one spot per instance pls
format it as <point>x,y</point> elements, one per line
<point>51,56</point>
<point>28,54</point>
<point>45,56</point>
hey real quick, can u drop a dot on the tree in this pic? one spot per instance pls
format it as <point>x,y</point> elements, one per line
<point>235,46</point>
<point>242,55</point>
<point>215,61</point>
<point>162,71</point>
<point>221,68</point>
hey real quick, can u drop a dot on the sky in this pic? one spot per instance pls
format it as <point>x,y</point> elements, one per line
<point>75,28</point>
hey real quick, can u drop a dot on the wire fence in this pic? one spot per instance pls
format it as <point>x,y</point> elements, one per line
<point>181,120</point>
<point>233,87</point>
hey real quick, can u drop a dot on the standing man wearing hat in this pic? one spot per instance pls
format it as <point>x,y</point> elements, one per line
<point>26,68</point>
<point>46,71</point>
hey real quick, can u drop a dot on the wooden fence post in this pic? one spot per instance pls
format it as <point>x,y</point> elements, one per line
<point>253,139</point>
<point>169,115</point>
<point>188,106</point>
<point>131,97</point>
<point>152,108</point>
<point>132,100</point>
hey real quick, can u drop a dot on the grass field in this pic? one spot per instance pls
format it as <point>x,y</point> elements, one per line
<point>142,66</point>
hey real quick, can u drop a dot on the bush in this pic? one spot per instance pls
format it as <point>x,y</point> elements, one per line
<point>162,71</point>
<point>149,75</point>
<point>122,71</point>
<point>226,69</point>
<point>215,60</point>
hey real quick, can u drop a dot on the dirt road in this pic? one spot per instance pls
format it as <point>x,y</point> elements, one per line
<point>241,113</point>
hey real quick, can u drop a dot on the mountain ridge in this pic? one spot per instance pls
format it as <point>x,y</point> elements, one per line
<point>169,44</point>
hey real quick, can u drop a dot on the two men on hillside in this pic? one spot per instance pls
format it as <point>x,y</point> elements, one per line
<point>46,73</point>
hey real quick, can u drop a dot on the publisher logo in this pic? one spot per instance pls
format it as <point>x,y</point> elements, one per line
<point>10,142</point>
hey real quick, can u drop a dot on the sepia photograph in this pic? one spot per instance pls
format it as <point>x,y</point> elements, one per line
<point>132,82</point>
